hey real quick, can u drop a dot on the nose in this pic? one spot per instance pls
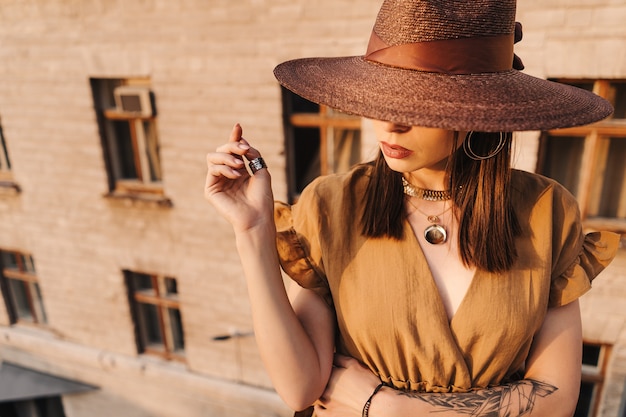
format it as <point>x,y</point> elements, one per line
<point>393,127</point>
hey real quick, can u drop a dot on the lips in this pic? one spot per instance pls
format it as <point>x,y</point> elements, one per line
<point>395,151</point>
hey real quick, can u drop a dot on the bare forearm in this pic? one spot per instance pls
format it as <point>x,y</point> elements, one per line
<point>287,351</point>
<point>527,398</point>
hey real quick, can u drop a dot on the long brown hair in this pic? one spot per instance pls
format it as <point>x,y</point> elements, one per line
<point>481,193</point>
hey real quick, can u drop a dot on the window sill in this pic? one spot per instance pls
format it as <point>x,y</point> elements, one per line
<point>39,328</point>
<point>157,200</point>
<point>605,223</point>
<point>159,355</point>
<point>9,188</point>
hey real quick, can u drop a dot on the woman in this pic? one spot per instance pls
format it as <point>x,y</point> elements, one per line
<point>435,279</point>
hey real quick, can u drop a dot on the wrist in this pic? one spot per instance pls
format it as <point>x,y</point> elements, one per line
<point>261,230</point>
<point>257,243</point>
<point>383,403</point>
<point>368,403</point>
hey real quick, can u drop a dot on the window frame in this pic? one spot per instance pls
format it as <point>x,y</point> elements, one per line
<point>596,139</point>
<point>325,120</point>
<point>6,173</point>
<point>5,161</point>
<point>622,408</point>
<point>27,278</point>
<point>142,187</point>
<point>34,407</point>
<point>596,375</point>
<point>162,301</point>
<point>143,182</point>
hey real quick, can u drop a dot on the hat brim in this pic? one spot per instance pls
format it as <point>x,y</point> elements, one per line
<point>488,102</point>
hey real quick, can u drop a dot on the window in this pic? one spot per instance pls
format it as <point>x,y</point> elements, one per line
<point>6,176</point>
<point>589,160</point>
<point>39,407</point>
<point>156,312</point>
<point>595,361</point>
<point>622,407</point>
<point>126,114</point>
<point>20,288</point>
<point>318,141</point>
<point>5,162</point>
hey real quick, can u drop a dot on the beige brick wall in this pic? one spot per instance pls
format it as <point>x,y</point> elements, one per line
<point>210,64</point>
<point>573,38</point>
<point>586,39</point>
<point>604,321</point>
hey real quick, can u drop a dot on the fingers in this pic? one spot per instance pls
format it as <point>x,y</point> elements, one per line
<point>235,134</point>
<point>235,148</point>
<point>237,143</point>
<point>225,163</point>
<point>228,159</point>
<point>222,170</point>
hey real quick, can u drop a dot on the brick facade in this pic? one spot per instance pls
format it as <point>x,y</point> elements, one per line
<point>210,65</point>
<point>586,39</point>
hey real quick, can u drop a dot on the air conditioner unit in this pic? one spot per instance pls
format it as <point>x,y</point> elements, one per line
<point>134,99</point>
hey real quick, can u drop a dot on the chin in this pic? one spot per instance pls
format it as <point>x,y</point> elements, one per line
<point>399,165</point>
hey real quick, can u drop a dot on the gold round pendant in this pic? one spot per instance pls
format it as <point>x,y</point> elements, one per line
<point>435,234</point>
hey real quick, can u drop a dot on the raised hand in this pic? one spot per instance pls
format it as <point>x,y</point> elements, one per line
<point>245,200</point>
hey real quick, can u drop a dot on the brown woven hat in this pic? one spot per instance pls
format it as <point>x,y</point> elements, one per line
<point>446,64</point>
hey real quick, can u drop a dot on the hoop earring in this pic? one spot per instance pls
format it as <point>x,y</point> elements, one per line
<point>467,148</point>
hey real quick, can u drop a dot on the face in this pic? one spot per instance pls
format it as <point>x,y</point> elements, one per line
<point>413,148</point>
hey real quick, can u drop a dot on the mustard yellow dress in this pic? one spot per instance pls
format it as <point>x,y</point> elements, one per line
<point>389,312</point>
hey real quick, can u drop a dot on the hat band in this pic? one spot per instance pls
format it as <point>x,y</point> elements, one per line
<point>447,56</point>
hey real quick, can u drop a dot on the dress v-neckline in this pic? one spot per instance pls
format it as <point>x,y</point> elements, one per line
<point>430,280</point>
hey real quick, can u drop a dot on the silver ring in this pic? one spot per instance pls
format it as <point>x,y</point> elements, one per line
<point>257,164</point>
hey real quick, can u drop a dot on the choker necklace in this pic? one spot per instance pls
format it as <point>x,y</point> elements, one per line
<point>424,194</point>
<point>435,233</point>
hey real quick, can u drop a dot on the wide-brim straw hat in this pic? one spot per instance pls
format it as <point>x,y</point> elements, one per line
<point>446,64</point>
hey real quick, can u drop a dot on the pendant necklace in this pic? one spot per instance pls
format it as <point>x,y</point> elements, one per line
<point>435,233</point>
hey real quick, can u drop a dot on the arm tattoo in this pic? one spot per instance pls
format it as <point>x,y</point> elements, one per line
<point>511,400</point>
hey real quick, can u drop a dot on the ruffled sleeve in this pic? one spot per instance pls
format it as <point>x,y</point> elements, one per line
<point>577,258</point>
<point>298,243</point>
<point>597,252</point>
